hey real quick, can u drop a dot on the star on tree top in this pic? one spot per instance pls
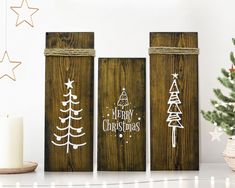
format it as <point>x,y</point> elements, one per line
<point>175,75</point>
<point>69,84</point>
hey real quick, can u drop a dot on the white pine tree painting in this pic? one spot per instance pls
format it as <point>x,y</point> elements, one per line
<point>72,115</point>
<point>123,99</point>
<point>174,117</point>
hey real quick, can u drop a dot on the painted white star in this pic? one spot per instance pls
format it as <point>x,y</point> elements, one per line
<point>24,13</point>
<point>216,134</point>
<point>7,67</point>
<point>69,84</point>
<point>175,75</point>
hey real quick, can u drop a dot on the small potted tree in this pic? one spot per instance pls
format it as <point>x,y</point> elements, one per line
<point>223,115</point>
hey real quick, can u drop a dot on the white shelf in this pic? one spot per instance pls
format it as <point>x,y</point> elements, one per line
<point>128,179</point>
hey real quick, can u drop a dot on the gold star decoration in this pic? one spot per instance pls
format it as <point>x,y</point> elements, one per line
<point>7,67</point>
<point>24,13</point>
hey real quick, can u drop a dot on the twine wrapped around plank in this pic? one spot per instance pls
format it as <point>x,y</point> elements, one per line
<point>173,50</point>
<point>69,52</point>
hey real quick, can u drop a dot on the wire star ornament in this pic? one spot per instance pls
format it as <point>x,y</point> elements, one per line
<point>7,67</point>
<point>24,13</point>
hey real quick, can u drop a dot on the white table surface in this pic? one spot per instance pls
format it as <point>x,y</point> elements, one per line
<point>223,177</point>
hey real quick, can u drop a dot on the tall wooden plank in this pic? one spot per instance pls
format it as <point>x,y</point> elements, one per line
<point>121,118</point>
<point>79,71</point>
<point>185,155</point>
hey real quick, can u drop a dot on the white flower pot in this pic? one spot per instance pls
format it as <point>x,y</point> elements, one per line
<point>229,153</point>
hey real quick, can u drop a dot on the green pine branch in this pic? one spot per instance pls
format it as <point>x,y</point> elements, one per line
<point>227,83</point>
<point>222,97</point>
<point>223,115</point>
<point>225,73</point>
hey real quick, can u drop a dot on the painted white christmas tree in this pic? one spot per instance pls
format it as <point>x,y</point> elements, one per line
<point>123,99</point>
<point>72,115</point>
<point>174,111</point>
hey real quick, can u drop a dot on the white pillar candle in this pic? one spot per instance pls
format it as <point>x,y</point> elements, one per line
<point>11,142</point>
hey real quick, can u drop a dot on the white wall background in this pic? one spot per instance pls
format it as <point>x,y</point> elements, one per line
<point>121,29</point>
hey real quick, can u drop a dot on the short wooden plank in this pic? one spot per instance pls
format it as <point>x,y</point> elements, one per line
<point>185,156</point>
<point>59,70</point>
<point>121,114</point>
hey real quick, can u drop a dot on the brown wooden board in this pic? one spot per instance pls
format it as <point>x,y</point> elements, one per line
<point>78,73</point>
<point>121,114</point>
<point>185,155</point>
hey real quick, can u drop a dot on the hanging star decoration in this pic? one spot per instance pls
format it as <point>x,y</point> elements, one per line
<point>24,13</point>
<point>216,134</point>
<point>7,67</point>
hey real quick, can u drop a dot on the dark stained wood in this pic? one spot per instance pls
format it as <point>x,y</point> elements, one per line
<point>186,154</point>
<point>126,153</point>
<point>58,70</point>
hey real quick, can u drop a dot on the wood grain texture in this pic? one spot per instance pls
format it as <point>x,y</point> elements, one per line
<point>58,71</point>
<point>186,154</point>
<point>126,153</point>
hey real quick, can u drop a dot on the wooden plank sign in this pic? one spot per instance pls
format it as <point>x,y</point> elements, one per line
<point>69,101</point>
<point>121,118</point>
<point>174,101</point>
